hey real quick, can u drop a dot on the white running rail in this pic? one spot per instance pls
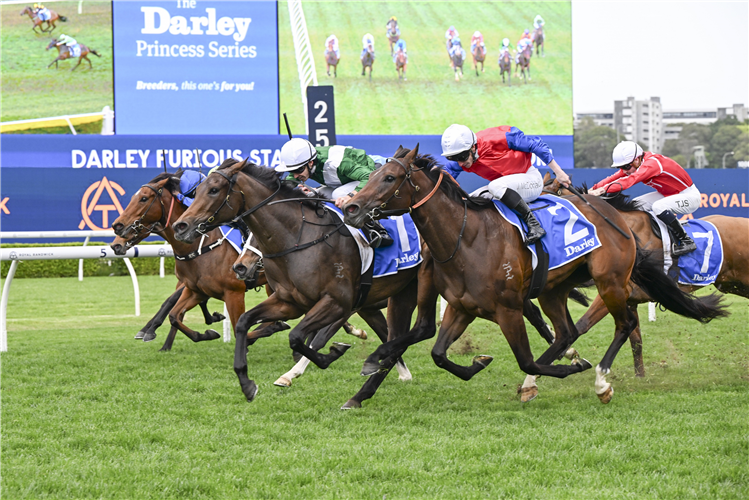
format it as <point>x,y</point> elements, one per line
<point>305,62</point>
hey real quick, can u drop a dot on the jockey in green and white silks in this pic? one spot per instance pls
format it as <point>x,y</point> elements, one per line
<point>341,172</point>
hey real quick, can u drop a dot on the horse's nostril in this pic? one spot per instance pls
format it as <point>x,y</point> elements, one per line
<point>240,268</point>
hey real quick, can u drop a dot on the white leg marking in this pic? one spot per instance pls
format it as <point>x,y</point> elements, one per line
<point>601,384</point>
<point>297,371</point>
<point>403,373</point>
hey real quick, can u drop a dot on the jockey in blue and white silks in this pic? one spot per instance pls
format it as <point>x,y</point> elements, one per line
<point>71,43</point>
<point>42,12</point>
<point>332,41</point>
<point>367,44</point>
<point>538,22</point>
<point>400,46</point>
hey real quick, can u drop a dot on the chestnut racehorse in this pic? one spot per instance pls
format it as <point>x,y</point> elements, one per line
<point>63,52</point>
<point>505,66</point>
<point>331,59</point>
<point>367,60</point>
<point>393,34</point>
<point>54,17</point>
<point>474,248</point>
<point>401,62</point>
<point>524,63</point>
<point>479,55</point>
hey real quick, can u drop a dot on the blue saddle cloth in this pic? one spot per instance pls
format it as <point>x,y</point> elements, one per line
<point>569,235</point>
<point>702,266</point>
<point>404,253</point>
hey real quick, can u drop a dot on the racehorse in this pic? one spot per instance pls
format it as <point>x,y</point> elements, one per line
<point>524,63</point>
<point>63,52</point>
<point>318,276</point>
<point>505,66</point>
<point>367,60</point>
<point>538,40</point>
<point>401,62</point>
<point>393,34</point>
<point>479,55</point>
<point>457,61</point>
<point>483,269</point>
<point>54,17</point>
<point>331,59</point>
<point>733,276</point>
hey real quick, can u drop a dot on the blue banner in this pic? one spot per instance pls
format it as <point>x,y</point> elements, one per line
<point>195,67</point>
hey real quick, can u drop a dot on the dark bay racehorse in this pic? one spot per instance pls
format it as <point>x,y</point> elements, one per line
<point>311,262</point>
<point>733,276</point>
<point>538,40</point>
<point>505,66</point>
<point>367,60</point>
<point>475,252</point>
<point>457,60</point>
<point>524,63</point>
<point>54,17</point>
<point>331,59</point>
<point>401,62</point>
<point>63,52</point>
<point>393,34</point>
<point>479,55</point>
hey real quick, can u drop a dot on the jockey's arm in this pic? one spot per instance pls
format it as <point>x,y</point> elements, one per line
<point>518,141</point>
<point>452,168</point>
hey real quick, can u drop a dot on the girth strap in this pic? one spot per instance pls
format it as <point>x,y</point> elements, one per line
<point>540,274</point>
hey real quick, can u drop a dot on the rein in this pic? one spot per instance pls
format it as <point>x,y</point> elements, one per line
<point>137,225</point>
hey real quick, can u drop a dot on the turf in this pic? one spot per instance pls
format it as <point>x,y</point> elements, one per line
<point>431,99</point>
<point>89,412</point>
<point>31,90</point>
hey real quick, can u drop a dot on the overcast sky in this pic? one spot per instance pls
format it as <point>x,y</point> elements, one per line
<point>693,55</point>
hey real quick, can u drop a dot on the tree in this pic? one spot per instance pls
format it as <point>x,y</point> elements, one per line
<point>593,145</point>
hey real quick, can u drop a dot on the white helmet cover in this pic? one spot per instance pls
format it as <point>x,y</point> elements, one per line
<point>295,153</point>
<point>456,139</point>
<point>625,153</point>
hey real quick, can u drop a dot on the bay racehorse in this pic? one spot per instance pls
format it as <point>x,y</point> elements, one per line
<point>538,40</point>
<point>393,33</point>
<point>311,261</point>
<point>401,62</point>
<point>524,63</point>
<point>63,52</point>
<point>483,269</point>
<point>331,59</point>
<point>733,276</point>
<point>505,66</point>
<point>457,55</point>
<point>54,17</point>
<point>367,60</point>
<point>479,55</point>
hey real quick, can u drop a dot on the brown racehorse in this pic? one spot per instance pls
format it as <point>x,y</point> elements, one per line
<point>401,62</point>
<point>63,52</point>
<point>331,59</point>
<point>463,231</point>
<point>457,58</point>
<point>367,60</point>
<point>311,262</point>
<point>393,34</point>
<point>524,63</point>
<point>505,66</point>
<point>479,55</point>
<point>733,276</point>
<point>538,40</point>
<point>54,17</point>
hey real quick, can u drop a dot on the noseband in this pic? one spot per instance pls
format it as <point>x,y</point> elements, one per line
<point>137,225</point>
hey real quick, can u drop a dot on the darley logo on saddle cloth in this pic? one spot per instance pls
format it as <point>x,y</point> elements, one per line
<point>404,253</point>
<point>569,235</point>
<point>702,266</point>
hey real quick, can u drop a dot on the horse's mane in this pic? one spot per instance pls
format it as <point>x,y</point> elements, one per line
<point>172,184</point>
<point>432,168</point>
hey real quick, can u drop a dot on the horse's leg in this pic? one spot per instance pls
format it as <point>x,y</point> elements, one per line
<point>54,62</point>
<point>79,63</point>
<point>453,325</point>
<point>379,324</point>
<point>211,318</point>
<point>155,322</point>
<point>187,301</point>
<point>325,312</point>
<point>635,340</point>
<point>319,340</point>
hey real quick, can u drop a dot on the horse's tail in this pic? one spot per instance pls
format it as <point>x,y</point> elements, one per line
<point>94,52</point>
<point>648,274</point>
<point>63,18</point>
<point>579,297</point>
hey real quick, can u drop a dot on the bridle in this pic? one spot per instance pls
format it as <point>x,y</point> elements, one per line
<point>380,212</point>
<point>137,225</point>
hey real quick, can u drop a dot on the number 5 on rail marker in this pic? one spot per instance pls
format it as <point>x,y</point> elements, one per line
<point>321,115</point>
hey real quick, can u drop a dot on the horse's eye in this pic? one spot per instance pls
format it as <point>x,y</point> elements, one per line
<point>389,178</point>
<point>213,191</point>
<point>144,199</point>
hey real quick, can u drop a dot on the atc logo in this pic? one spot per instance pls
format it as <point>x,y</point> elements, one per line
<point>94,202</point>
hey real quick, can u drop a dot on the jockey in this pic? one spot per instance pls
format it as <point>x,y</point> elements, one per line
<point>538,22</point>
<point>42,12</point>
<point>526,34</point>
<point>368,44</point>
<point>506,47</point>
<point>67,40</point>
<point>400,46</point>
<point>457,48</point>
<point>332,39</point>
<point>451,33</point>
<point>397,30</point>
<point>502,155</point>
<point>478,40</point>
<point>341,171</point>
<point>674,189</point>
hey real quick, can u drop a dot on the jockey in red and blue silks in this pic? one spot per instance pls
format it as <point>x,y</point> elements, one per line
<point>502,155</point>
<point>478,40</point>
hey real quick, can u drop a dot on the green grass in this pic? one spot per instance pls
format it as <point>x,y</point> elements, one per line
<point>88,412</point>
<point>431,99</point>
<point>31,90</point>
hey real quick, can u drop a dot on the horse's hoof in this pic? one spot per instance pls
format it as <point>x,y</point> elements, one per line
<point>350,405</point>
<point>282,382</point>
<point>212,335</point>
<point>369,368</point>
<point>571,353</point>
<point>149,336</point>
<point>216,317</point>
<point>607,395</point>
<point>340,348</point>
<point>583,363</point>
<point>483,359</point>
<point>528,394</point>
<point>250,391</point>
<point>140,334</point>
<point>359,333</point>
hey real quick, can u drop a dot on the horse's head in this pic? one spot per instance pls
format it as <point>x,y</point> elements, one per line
<point>52,43</point>
<point>216,202</point>
<point>249,264</point>
<point>28,11</point>
<point>149,211</point>
<point>383,190</point>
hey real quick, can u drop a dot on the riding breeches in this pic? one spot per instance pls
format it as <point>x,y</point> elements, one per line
<point>528,185</point>
<point>335,192</point>
<point>685,202</point>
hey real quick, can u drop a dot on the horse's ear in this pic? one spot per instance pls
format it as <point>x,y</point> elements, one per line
<point>236,167</point>
<point>547,178</point>
<point>411,156</point>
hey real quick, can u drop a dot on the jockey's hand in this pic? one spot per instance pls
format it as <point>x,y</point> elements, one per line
<point>597,192</point>
<point>339,202</point>
<point>564,179</point>
<point>306,190</point>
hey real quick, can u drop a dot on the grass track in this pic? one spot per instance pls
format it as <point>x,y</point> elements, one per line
<point>431,99</point>
<point>88,412</point>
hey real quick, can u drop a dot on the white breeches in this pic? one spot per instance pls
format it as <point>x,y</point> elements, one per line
<point>685,202</point>
<point>528,185</point>
<point>336,192</point>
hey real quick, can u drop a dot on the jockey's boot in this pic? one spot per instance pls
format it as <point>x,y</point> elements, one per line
<point>514,202</point>
<point>683,244</point>
<point>376,234</point>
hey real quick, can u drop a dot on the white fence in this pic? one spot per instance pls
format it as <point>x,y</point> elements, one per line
<point>305,62</point>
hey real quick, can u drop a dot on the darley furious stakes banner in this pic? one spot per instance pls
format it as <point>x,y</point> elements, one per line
<point>195,67</point>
